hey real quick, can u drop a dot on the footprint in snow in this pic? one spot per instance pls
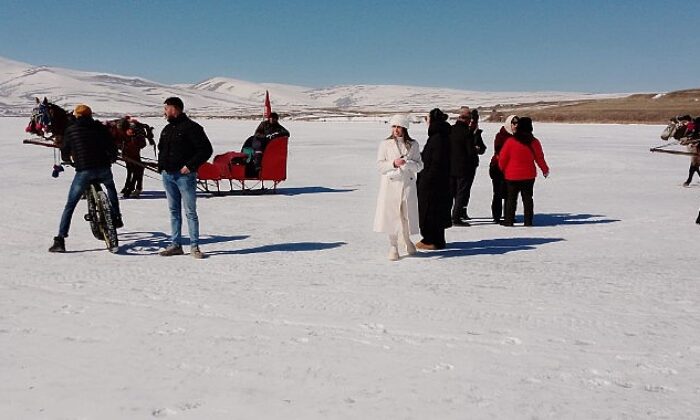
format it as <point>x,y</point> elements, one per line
<point>163,412</point>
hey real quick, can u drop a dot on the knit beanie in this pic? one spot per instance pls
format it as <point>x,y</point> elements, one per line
<point>399,121</point>
<point>82,111</point>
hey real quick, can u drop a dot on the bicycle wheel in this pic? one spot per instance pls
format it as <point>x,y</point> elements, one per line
<point>91,216</point>
<point>105,221</point>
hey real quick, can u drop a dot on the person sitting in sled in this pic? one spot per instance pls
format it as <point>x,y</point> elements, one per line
<point>255,145</point>
<point>271,128</point>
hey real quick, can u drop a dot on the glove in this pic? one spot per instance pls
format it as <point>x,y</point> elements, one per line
<point>57,169</point>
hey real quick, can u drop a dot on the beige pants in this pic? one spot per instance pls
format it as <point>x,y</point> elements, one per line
<point>394,239</point>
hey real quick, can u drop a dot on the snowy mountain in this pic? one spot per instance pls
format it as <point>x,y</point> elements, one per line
<point>111,94</point>
<point>106,93</point>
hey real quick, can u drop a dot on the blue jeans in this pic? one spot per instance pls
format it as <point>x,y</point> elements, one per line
<point>81,181</point>
<point>182,190</point>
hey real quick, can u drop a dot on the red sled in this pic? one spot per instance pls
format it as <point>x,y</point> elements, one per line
<point>225,166</point>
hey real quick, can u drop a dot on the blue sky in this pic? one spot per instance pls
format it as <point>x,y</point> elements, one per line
<point>592,46</point>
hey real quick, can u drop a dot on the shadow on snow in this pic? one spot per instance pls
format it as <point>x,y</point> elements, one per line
<point>489,247</point>
<point>287,247</point>
<point>562,219</point>
<point>144,243</point>
<point>291,191</point>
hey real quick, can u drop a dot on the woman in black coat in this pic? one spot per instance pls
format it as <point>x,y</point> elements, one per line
<point>434,196</point>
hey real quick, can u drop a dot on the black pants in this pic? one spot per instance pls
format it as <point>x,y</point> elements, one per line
<point>499,193</point>
<point>525,189</point>
<point>134,177</point>
<point>692,171</point>
<point>461,187</point>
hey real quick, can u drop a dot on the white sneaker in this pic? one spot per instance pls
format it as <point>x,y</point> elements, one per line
<point>393,253</point>
<point>410,248</point>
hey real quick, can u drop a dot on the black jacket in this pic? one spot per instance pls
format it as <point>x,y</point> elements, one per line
<point>89,144</point>
<point>462,150</point>
<point>434,196</point>
<point>183,143</point>
<point>479,144</point>
<point>271,130</point>
<point>465,147</point>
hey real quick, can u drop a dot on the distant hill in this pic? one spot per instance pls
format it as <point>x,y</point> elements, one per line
<point>110,94</point>
<point>647,108</point>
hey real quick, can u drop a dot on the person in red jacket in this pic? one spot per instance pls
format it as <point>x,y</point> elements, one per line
<point>517,160</point>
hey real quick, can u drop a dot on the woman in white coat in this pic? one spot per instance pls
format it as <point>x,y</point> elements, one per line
<point>398,162</point>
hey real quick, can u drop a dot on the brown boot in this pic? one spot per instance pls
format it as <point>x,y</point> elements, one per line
<point>197,253</point>
<point>426,247</point>
<point>171,250</point>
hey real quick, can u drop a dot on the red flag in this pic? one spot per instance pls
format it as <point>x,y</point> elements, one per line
<point>268,107</point>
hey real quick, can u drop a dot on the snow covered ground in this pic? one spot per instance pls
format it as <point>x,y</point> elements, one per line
<point>593,313</point>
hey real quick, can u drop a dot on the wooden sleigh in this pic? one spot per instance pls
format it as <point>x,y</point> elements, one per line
<point>273,169</point>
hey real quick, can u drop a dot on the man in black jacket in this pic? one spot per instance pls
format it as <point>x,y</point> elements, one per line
<point>464,160</point>
<point>93,151</point>
<point>183,148</point>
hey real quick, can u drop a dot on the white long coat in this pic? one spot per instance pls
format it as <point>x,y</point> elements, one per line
<point>397,186</point>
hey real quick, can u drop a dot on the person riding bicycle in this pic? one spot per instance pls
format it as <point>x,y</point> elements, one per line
<point>93,151</point>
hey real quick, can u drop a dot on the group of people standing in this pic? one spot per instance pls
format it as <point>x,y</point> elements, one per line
<point>427,192</point>
<point>422,192</point>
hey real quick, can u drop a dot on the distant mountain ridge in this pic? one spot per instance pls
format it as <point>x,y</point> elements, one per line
<point>110,94</point>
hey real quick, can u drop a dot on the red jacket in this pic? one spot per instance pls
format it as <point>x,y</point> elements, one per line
<point>517,160</point>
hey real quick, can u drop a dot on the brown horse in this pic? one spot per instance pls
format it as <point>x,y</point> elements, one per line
<point>131,136</point>
<point>49,121</point>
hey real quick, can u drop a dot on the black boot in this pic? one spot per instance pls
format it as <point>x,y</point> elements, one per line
<point>59,245</point>
<point>118,223</point>
<point>698,219</point>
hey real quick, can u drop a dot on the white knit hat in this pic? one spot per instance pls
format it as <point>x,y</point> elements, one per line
<point>400,121</point>
<point>506,124</point>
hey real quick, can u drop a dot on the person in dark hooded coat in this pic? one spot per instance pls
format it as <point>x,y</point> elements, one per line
<point>463,163</point>
<point>434,195</point>
<point>497,180</point>
<point>517,161</point>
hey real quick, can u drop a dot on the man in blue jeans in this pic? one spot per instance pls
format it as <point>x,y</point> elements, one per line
<point>92,150</point>
<point>183,147</point>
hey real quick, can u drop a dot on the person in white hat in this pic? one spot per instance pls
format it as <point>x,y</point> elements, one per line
<point>398,162</point>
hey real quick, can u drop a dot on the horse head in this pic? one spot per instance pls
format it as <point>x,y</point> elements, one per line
<point>48,118</point>
<point>670,129</point>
